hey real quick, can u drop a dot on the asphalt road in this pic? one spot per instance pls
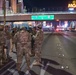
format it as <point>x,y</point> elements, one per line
<point>58,56</point>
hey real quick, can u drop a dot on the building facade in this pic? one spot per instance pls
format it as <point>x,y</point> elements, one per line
<point>20,6</point>
<point>1,5</point>
<point>14,6</point>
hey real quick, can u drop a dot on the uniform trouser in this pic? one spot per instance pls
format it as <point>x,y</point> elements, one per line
<point>38,52</point>
<point>20,51</point>
<point>2,55</point>
<point>32,47</point>
<point>8,47</point>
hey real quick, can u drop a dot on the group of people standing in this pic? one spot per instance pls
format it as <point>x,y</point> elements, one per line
<point>27,44</point>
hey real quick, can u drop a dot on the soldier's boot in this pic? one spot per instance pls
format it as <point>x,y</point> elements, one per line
<point>28,61</point>
<point>4,56</point>
<point>5,60</point>
<point>1,62</point>
<point>28,67</point>
<point>37,58</point>
<point>18,65</point>
<point>21,73</point>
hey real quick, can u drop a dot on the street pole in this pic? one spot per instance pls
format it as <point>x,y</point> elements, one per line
<point>4,9</point>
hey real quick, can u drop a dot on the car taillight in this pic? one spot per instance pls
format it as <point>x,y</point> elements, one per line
<point>57,30</point>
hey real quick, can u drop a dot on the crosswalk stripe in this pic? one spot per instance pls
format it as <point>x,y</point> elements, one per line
<point>27,72</point>
<point>43,69</point>
<point>7,69</point>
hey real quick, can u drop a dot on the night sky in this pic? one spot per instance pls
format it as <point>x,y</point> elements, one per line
<point>46,3</point>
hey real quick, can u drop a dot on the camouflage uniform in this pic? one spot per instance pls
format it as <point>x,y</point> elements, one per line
<point>8,41</point>
<point>2,46</point>
<point>38,44</point>
<point>33,40</point>
<point>22,42</point>
<point>14,31</point>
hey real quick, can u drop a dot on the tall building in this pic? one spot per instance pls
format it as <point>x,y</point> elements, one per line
<point>7,6</point>
<point>20,6</point>
<point>1,5</point>
<point>14,5</point>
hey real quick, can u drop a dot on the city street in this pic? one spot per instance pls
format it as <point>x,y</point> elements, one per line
<point>57,19</point>
<point>58,56</point>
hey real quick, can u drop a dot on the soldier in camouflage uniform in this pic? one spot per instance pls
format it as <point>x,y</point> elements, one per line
<point>22,41</point>
<point>2,45</point>
<point>33,41</point>
<point>14,31</point>
<point>8,41</point>
<point>38,43</point>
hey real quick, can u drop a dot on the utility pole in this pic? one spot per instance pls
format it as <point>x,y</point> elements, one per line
<point>4,9</point>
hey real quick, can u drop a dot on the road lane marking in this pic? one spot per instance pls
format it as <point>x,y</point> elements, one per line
<point>27,72</point>
<point>8,70</point>
<point>43,69</point>
<point>6,65</point>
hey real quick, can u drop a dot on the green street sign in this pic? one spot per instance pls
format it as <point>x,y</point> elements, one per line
<point>42,17</point>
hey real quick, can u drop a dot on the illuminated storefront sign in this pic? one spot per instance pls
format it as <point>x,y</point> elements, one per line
<point>42,17</point>
<point>72,5</point>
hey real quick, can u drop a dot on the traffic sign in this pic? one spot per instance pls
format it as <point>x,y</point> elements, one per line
<point>42,17</point>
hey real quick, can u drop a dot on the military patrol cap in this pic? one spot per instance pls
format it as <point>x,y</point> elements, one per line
<point>23,28</point>
<point>40,26</point>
